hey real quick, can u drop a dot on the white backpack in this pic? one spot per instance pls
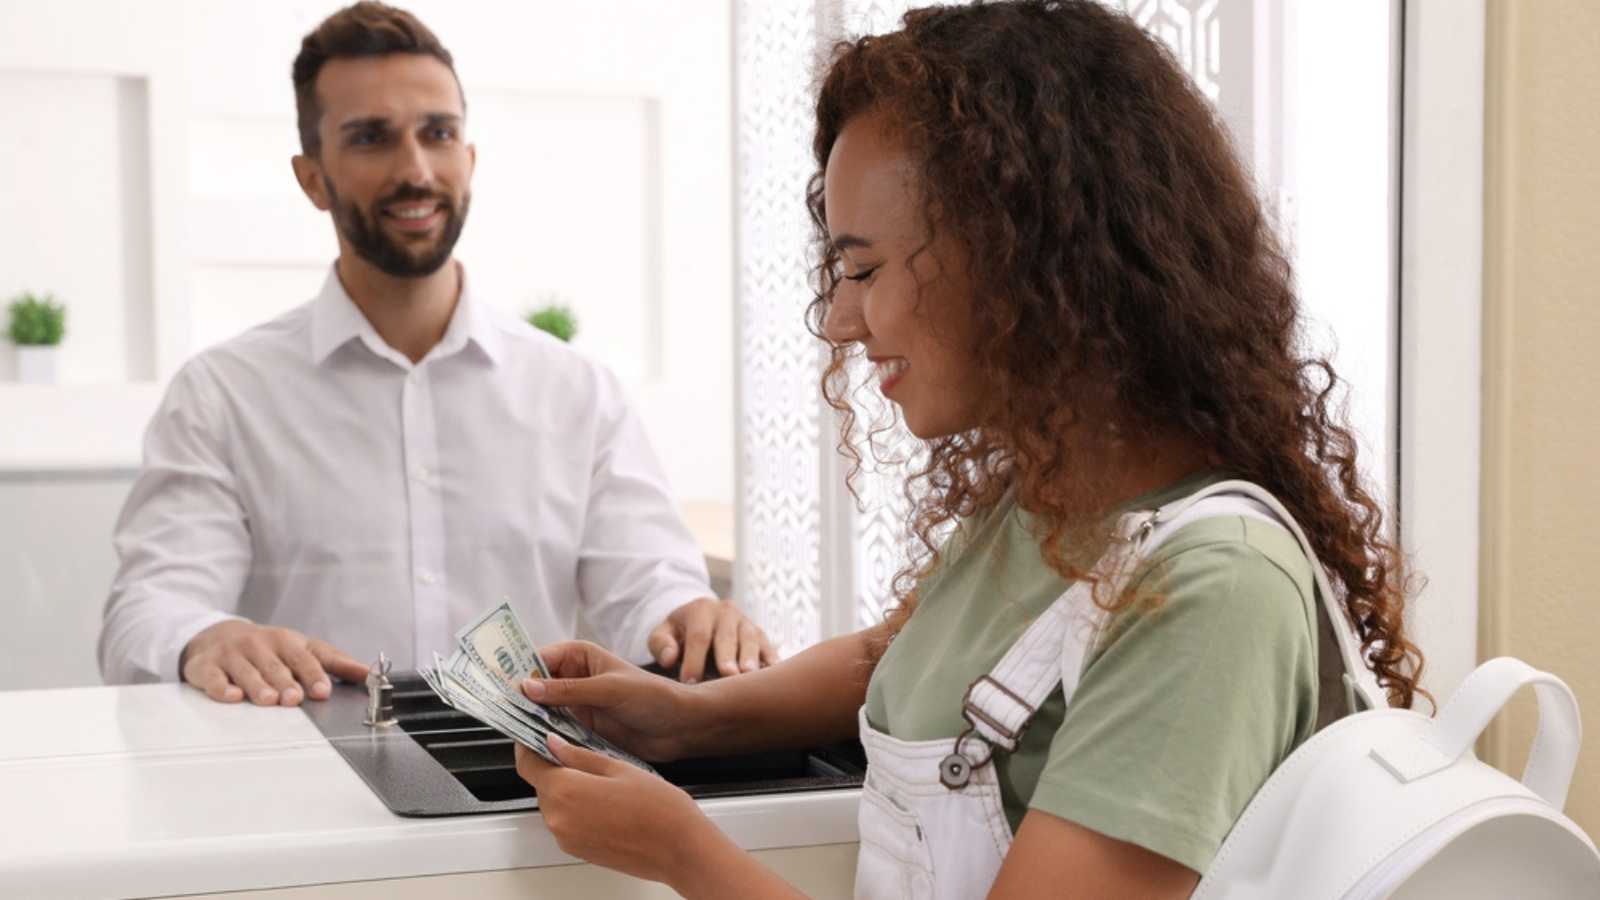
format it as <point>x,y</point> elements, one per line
<point>1391,803</point>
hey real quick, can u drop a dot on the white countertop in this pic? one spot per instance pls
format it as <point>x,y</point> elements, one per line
<point>156,790</point>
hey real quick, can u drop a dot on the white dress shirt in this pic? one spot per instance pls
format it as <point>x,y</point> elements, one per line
<point>305,474</point>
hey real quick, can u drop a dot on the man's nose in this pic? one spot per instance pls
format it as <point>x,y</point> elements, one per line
<point>412,165</point>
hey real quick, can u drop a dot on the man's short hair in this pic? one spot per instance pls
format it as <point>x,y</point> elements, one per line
<point>364,29</point>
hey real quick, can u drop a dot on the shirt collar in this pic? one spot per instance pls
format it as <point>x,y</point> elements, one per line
<point>336,320</point>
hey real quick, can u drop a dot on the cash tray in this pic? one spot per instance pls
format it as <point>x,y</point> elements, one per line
<point>436,761</point>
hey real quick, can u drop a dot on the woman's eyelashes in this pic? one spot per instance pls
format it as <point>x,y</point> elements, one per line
<point>863,275</point>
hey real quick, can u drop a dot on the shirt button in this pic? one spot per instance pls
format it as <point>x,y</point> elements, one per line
<point>422,473</point>
<point>425,576</point>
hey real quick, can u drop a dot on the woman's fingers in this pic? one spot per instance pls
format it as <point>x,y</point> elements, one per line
<point>583,759</point>
<point>600,691</point>
<point>531,766</point>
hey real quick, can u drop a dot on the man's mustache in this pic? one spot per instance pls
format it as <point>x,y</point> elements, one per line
<point>409,193</point>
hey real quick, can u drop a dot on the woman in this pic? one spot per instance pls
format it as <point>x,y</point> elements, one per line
<point>1034,227</point>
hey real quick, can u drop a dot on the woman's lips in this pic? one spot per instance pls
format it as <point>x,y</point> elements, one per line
<point>890,372</point>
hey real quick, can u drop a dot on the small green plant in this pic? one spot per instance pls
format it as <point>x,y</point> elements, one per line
<point>37,321</point>
<point>557,319</point>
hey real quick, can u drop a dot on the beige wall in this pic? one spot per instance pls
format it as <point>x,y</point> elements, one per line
<point>1541,480</point>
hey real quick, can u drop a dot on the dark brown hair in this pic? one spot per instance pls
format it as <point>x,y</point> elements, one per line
<point>1115,242</point>
<point>360,30</point>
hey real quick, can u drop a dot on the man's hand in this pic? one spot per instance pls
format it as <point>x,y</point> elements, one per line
<point>693,628</point>
<point>233,660</point>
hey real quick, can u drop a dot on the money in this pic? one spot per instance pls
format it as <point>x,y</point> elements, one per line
<point>483,679</point>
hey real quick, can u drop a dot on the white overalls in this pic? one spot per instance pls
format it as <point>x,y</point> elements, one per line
<point>931,821</point>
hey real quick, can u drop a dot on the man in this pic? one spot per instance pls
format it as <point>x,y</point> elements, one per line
<point>371,470</point>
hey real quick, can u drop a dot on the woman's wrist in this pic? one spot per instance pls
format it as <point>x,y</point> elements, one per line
<point>698,711</point>
<point>710,866</point>
<point>698,860</point>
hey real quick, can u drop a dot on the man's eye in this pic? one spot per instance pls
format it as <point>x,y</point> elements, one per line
<point>364,138</point>
<point>862,275</point>
<point>444,134</point>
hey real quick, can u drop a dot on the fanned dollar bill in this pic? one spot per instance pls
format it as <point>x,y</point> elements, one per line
<point>461,697</point>
<point>483,679</point>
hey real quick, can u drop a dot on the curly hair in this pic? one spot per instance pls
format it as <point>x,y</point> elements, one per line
<point>1120,244</point>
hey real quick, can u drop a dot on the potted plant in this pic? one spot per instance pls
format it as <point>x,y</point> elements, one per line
<point>37,325</point>
<point>557,319</point>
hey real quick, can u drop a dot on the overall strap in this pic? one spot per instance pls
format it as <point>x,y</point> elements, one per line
<point>1360,682</point>
<point>999,705</point>
<point>1052,650</point>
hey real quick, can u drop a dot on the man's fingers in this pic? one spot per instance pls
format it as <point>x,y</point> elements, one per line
<point>210,678</point>
<point>307,671</point>
<point>749,646</point>
<point>725,639</point>
<point>663,644</point>
<point>697,625</point>
<point>769,653</point>
<point>247,678</point>
<point>337,662</point>
<point>277,675</point>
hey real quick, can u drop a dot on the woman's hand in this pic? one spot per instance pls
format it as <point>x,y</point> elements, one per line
<point>611,813</point>
<point>645,714</point>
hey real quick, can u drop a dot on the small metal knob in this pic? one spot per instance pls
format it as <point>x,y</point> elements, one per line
<point>955,771</point>
<point>380,694</point>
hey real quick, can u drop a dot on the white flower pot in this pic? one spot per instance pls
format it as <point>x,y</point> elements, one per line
<point>37,365</point>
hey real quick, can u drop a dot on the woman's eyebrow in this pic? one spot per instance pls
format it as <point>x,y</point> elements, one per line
<point>849,242</point>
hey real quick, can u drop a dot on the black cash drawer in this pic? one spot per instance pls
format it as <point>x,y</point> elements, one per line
<point>440,762</point>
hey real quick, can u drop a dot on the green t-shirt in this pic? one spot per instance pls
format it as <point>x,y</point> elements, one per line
<point>1182,711</point>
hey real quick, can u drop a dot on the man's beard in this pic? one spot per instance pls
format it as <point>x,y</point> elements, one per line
<point>362,231</point>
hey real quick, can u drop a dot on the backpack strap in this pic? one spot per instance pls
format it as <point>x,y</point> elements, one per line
<point>1247,499</point>
<point>1052,650</point>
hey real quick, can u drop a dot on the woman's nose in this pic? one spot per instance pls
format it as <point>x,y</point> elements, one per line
<point>844,323</point>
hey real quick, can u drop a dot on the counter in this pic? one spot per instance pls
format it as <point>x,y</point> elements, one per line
<point>154,790</point>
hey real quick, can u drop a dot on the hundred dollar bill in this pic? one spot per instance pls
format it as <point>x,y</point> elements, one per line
<point>497,646</point>
<point>460,697</point>
<point>497,642</point>
<point>514,702</point>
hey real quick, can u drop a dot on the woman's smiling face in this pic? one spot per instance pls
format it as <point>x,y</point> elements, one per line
<point>903,297</point>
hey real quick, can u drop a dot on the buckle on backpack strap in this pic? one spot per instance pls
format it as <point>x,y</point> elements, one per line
<point>990,728</point>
